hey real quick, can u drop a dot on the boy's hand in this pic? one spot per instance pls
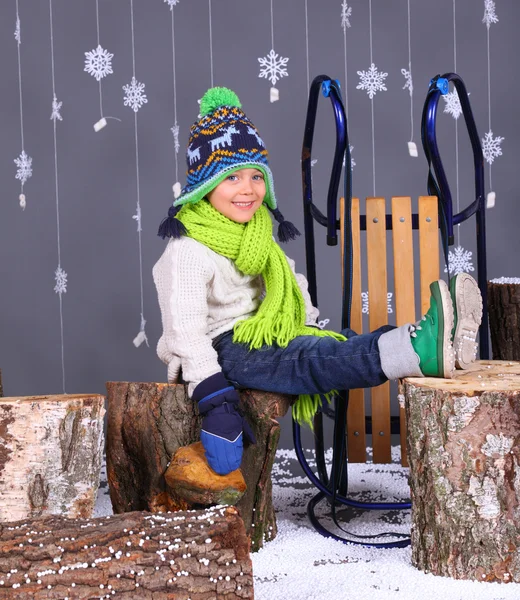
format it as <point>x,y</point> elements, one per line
<point>223,424</point>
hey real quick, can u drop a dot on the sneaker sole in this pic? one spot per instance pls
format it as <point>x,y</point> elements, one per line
<point>441,293</point>
<point>468,304</point>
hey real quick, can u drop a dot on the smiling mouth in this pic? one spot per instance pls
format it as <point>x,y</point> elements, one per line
<point>243,204</point>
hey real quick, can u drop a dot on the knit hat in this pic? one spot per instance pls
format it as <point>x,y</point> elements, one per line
<point>221,142</point>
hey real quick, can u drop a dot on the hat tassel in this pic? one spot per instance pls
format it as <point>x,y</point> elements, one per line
<point>286,230</point>
<point>170,226</point>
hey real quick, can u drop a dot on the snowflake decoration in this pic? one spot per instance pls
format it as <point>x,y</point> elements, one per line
<point>409,82</point>
<point>491,146</point>
<point>172,3</point>
<point>17,32</point>
<point>352,161</point>
<point>61,281</point>
<point>490,15</point>
<point>273,67</point>
<point>459,261</point>
<point>24,164</point>
<point>137,217</point>
<point>372,81</point>
<point>453,106</point>
<point>175,131</point>
<point>323,324</point>
<point>56,107</point>
<point>364,302</point>
<point>98,63</point>
<point>346,12</point>
<point>134,95</point>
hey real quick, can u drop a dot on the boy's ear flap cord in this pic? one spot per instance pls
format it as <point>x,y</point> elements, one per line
<point>336,489</point>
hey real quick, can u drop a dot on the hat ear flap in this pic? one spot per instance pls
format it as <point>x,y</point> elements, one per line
<point>170,226</point>
<point>286,230</point>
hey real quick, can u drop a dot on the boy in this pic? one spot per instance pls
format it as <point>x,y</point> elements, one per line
<point>236,314</point>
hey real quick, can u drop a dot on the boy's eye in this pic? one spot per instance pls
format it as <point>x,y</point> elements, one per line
<point>231,177</point>
<point>258,177</point>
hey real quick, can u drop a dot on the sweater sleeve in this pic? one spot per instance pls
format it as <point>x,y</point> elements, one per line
<point>182,277</point>
<point>311,311</point>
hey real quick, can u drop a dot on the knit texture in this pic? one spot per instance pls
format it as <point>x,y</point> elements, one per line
<point>281,316</point>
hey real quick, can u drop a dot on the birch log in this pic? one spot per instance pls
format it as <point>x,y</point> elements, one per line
<point>196,555</point>
<point>50,455</point>
<point>464,451</point>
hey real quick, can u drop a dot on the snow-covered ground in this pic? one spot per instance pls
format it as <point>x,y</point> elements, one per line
<point>300,564</point>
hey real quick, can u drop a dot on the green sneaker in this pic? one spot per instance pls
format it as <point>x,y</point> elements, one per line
<point>431,338</point>
<point>467,309</point>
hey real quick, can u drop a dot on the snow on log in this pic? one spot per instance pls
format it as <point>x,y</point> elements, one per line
<point>197,555</point>
<point>464,450</point>
<point>50,455</point>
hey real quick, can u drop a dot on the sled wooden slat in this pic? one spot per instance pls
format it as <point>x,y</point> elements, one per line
<point>429,246</point>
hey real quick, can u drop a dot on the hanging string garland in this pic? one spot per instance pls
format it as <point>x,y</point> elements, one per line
<point>272,66</point>
<point>98,63</point>
<point>60,275</point>
<point>491,146</point>
<point>24,161</point>
<point>175,129</point>
<point>135,98</point>
<point>372,81</point>
<point>210,44</point>
<point>412,147</point>
<point>346,13</point>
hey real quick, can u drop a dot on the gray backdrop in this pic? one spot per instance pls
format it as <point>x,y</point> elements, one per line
<point>97,175</point>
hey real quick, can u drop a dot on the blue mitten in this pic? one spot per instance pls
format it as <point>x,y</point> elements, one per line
<point>223,424</point>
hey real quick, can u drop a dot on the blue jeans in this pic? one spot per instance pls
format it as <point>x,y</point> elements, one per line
<point>308,365</point>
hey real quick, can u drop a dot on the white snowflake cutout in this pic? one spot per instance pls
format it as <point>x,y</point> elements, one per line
<point>172,3</point>
<point>61,281</point>
<point>273,67</point>
<point>491,146</point>
<point>372,81</point>
<point>141,336</point>
<point>137,217</point>
<point>175,132</point>
<point>352,161</point>
<point>323,324</point>
<point>17,32</point>
<point>453,106</point>
<point>98,63</point>
<point>364,303</point>
<point>56,107</point>
<point>459,261</point>
<point>24,164</point>
<point>409,82</point>
<point>134,95</point>
<point>490,15</point>
<point>346,12</point>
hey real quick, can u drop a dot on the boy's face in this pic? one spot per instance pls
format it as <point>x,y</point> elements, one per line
<point>240,195</point>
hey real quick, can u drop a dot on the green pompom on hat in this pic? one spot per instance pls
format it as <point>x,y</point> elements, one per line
<point>215,98</point>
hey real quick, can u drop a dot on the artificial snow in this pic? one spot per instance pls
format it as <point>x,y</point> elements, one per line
<point>506,280</point>
<point>300,564</point>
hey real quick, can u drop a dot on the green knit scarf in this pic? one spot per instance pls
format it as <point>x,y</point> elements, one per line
<point>281,315</point>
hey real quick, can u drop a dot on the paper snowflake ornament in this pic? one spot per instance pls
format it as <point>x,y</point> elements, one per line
<point>273,67</point>
<point>17,32</point>
<point>352,161</point>
<point>137,217</point>
<point>134,95</point>
<point>172,3</point>
<point>141,336</point>
<point>453,106</point>
<point>346,12</point>
<point>61,281</point>
<point>372,81</point>
<point>408,81</point>
<point>491,146</point>
<point>24,164</point>
<point>56,107</point>
<point>364,303</point>
<point>490,15</point>
<point>98,63</point>
<point>323,324</point>
<point>175,132</point>
<point>459,261</point>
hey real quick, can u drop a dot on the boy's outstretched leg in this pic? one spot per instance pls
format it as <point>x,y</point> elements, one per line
<point>431,338</point>
<point>467,307</point>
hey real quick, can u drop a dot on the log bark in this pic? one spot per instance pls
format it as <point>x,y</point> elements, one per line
<point>463,443</point>
<point>1,388</point>
<point>148,422</point>
<point>51,449</point>
<point>504,320</point>
<point>200,555</point>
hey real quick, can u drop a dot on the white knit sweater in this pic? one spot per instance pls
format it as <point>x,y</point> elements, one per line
<point>201,295</point>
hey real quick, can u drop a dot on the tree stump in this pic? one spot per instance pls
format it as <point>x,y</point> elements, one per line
<point>1,388</point>
<point>504,318</point>
<point>464,450</point>
<point>200,555</point>
<point>149,422</point>
<point>51,449</point>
